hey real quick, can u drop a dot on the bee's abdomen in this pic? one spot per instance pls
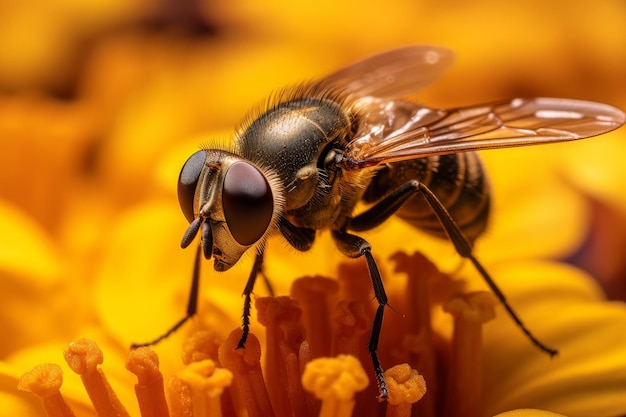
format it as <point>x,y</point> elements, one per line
<point>458,181</point>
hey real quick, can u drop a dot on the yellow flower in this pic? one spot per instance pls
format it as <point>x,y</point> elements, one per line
<point>458,376</point>
<point>101,119</point>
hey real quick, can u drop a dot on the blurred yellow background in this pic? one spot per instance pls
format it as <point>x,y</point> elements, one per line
<point>106,88</point>
<point>102,101</point>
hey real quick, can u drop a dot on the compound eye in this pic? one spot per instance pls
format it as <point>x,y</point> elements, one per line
<point>188,181</point>
<point>248,203</point>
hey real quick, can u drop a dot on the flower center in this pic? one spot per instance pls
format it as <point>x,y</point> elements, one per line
<point>314,352</point>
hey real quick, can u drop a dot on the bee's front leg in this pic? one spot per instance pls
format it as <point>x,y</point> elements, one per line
<point>247,301</point>
<point>192,304</point>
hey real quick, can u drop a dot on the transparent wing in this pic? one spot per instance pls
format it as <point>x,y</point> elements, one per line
<point>393,74</point>
<point>398,130</point>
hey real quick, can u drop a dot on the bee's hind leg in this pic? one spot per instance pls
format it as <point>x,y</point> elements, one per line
<point>383,209</point>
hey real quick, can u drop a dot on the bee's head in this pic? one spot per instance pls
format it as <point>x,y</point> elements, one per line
<point>234,202</point>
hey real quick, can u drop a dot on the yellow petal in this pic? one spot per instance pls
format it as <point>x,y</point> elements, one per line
<point>535,213</point>
<point>564,309</point>
<point>527,412</point>
<point>38,300</point>
<point>44,153</point>
<point>12,401</point>
<point>25,248</point>
<point>143,281</point>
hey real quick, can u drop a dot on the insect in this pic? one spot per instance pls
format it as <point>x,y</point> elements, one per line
<point>304,163</point>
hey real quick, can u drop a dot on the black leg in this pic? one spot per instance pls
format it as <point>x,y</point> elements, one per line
<point>355,247</point>
<point>464,248</point>
<point>267,282</point>
<point>383,209</point>
<point>192,304</point>
<point>386,207</point>
<point>247,302</point>
<point>299,237</point>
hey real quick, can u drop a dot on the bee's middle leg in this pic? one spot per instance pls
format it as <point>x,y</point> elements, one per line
<point>355,247</point>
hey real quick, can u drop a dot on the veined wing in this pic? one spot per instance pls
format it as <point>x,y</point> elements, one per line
<point>393,74</point>
<point>399,130</point>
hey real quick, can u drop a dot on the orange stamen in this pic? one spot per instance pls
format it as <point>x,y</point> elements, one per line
<point>149,389</point>
<point>350,324</point>
<point>406,387</point>
<point>207,383</point>
<point>284,336</point>
<point>464,389</point>
<point>45,381</point>
<point>179,398</point>
<point>335,381</point>
<point>314,295</point>
<point>201,345</point>
<point>417,341</point>
<point>84,356</point>
<point>312,406</point>
<point>245,365</point>
<point>355,284</point>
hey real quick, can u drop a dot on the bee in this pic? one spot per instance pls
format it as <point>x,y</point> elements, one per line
<point>318,151</point>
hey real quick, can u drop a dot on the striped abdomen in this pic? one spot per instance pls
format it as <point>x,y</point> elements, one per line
<point>458,181</point>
